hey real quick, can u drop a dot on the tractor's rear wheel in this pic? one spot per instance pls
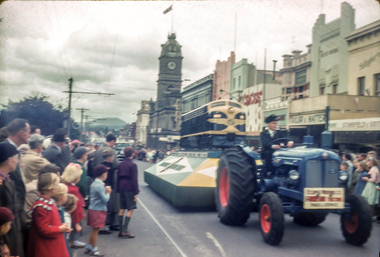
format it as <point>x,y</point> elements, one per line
<point>356,229</point>
<point>309,218</point>
<point>271,218</point>
<point>235,185</point>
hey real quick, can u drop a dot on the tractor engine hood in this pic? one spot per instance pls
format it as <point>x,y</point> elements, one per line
<point>296,156</point>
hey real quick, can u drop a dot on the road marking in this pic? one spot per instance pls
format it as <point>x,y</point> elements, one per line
<point>216,243</point>
<point>163,230</point>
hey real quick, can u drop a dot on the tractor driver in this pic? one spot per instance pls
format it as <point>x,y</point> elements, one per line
<point>267,137</point>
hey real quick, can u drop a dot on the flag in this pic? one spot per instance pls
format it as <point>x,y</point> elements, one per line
<point>356,101</point>
<point>168,10</point>
<point>367,91</point>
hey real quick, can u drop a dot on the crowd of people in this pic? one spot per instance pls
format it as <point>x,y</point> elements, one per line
<point>46,185</point>
<point>151,155</point>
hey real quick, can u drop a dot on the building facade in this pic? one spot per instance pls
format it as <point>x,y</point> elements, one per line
<point>222,77</point>
<point>142,123</point>
<point>364,60</point>
<point>164,122</point>
<point>296,75</point>
<point>329,53</point>
<point>197,94</point>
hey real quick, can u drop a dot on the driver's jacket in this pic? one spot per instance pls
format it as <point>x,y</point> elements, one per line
<point>266,139</point>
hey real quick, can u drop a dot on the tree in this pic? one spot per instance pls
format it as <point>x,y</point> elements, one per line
<point>39,111</point>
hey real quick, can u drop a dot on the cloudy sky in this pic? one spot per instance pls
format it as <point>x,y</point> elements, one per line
<point>113,47</point>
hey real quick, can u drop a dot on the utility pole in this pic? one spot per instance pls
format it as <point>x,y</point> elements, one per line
<point>69,117</point>
<point>81,122</point>
<point>70,96</point>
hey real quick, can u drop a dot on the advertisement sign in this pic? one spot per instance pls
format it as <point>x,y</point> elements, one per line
<point>311,119</point>
<point>300,77</point>
<point>323,198</point>
<point>369,124</point>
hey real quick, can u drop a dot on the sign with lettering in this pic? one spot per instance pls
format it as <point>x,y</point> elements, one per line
<point>368,62</point>
<point>311,119</point>
<point>324,54</point>
<point>369,124</point>
<point>355,137</point>
<point>323,198</point>
<point>300,77</point>
<point>252,98</point>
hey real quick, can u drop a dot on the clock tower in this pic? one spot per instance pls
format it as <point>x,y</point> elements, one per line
<point>169,76</point>
<point>165,113</point>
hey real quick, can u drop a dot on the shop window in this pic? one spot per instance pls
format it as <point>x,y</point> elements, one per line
<point>288,90</point>
<point>361,85</point>
<point>300,89</point>
<point>335,89</point>
<point>377,84</point>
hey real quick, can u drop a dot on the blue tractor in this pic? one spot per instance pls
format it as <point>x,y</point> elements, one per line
<point>306,183</point>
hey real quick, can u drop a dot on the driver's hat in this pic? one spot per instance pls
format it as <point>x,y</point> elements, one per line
<point>271,118</point>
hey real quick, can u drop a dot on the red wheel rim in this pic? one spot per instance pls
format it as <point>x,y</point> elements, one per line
<point>265,218</point>
<point>353,225</point>
<point>224,187</point>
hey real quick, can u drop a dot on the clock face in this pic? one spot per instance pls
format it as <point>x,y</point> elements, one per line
<point>171,65</point>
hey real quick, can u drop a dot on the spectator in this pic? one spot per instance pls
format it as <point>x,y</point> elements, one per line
<point>361,157</point>
<point>18,134</point>
<point>33,160</point>
<point>113,204</point>
<point>3,134</point>
<point>363,171</point>
<point>70,177</point>
<point>127,186</point>
<point>70,206</point>
<point>8,198</point>
<point>80,154</point>
<point>35,130</point>
<point>346,157</point>
<point>6,218</point>
<point>110,144</point>
<point>47,231</point>
<point>54,153</point>
<point>354,177</point>
<point>369,192</point>
<point>97,211</point>
<point>60,199</point>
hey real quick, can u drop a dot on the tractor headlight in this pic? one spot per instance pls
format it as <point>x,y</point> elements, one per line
<point>294,175</point>
<point>343,175</point>
<point>217,115</point>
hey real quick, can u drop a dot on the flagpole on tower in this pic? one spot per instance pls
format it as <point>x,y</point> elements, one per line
<point>172,21</point>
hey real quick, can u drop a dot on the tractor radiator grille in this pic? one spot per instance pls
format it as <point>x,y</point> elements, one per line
<point>318,173</point>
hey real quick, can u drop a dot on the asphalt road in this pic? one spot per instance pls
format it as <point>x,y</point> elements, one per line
<point>163,230</point>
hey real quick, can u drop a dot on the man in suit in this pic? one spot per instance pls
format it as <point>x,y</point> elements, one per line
<point>18,134</point>
<point>266,139</point>
<point>54,153</point>
<point>113,205</point>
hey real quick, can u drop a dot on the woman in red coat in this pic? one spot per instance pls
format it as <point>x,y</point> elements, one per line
<point>46,236</point>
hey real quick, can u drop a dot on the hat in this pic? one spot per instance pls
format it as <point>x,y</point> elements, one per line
<point>5,215</point>
<point>7,150</point>
<point>58,137</point>
<point>91,154</point>
<point>99,170</point>
<point>79,152</point>
<point>108,152</point>
<point>76,141</point>
<point>271,118</point>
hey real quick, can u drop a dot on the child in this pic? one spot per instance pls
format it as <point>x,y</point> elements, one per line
<point>6,217</point>
<point>71,176</point>
<point>69,207</point>
<point>60,198</point>
<point>97,211</point>
<point>46,232</point>
<point>344,167</point>
<point>360,184</point>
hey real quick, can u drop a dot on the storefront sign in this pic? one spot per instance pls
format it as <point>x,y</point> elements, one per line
<point>355,137</point>
<point>370,124</point>
<point>312,119</point>
<point>300,77</point>
<point>252,98</point>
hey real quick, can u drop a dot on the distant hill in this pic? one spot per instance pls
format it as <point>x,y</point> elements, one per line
<point>110,123</point>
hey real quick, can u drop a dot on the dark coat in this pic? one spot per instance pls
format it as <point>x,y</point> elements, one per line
<point>267,151</point>
<point>56,157</point>
<point>98,159</point>
<point>8,198</point>
<point>19,182</point>
<point>127,176</point>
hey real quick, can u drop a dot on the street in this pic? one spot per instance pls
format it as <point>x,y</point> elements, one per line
<point>163,230</point>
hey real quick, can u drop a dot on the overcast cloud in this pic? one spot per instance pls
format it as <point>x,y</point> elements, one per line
<point>113,47</point>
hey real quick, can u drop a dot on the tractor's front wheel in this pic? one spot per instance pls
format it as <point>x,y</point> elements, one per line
<point>271,218</point>
<point>235,185</point>
<point>356,227</point>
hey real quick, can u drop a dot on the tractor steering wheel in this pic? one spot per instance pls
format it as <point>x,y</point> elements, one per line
<point>277,141</point>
